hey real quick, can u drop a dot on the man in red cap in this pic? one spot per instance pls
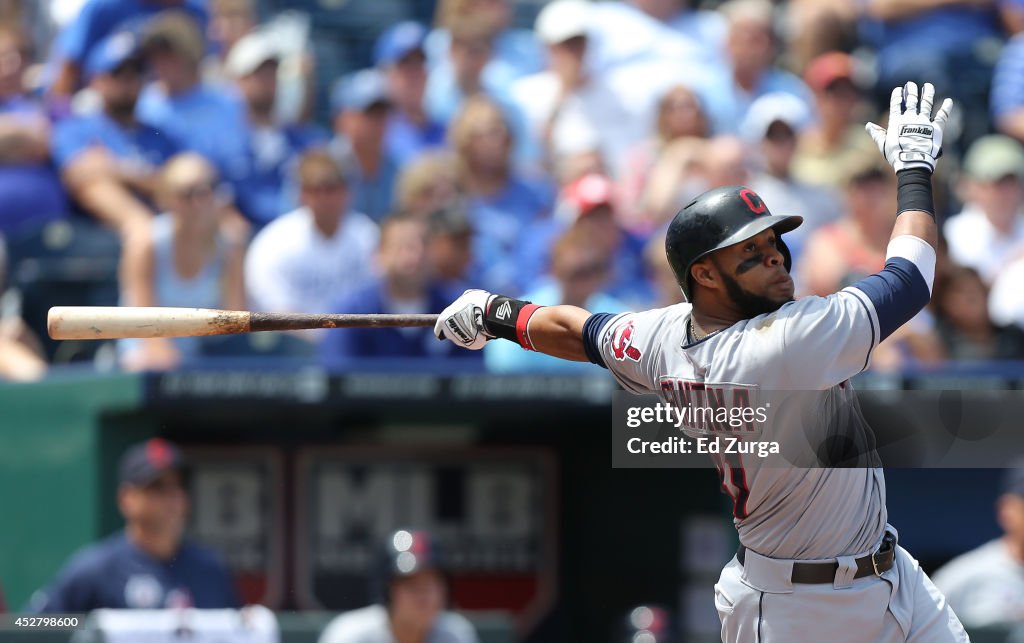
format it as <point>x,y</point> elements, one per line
<point>827,148</point>
<point>149,565</point>
<point>590,203</point>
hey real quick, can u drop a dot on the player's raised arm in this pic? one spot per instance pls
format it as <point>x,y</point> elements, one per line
<point>912,143</point>
<point>842,330</point>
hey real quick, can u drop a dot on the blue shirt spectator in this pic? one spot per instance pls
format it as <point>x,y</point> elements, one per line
<point>139,143</point>
<point>260,172</point>
<point>108,160</point>
<point>405,286</point>
<point>498,221</point>
<point>589,203</point>
<point>500,202</point>
<point>150,565</point>
<point>361,109</point>
<point>344,343</point>
<point>207,119</point>
<point>399,54</point>
<point>30,190</point>
<point>1007,99</point>
<point>97,20</point>
<point>463,74</point>
<point>943,43</point>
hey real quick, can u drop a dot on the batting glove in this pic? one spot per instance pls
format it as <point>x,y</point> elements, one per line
<point>913,139</point>
<point>462,322</point>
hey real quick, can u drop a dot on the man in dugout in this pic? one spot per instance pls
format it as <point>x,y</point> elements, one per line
<point>150,564</point>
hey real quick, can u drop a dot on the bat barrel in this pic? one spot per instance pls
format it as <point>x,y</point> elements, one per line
<point>111,322</point>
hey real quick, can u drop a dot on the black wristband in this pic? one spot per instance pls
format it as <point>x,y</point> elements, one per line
<point>501,316</point>
<point>914,191</point>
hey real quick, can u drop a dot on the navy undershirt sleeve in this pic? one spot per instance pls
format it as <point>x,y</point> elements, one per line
<point>592,329</point>
<point>898,292</point>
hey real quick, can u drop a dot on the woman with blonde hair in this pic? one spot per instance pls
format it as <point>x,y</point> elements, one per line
<point>187,256</point>
<point>428,184</point>
<point>680,117</point>
<point>500,201</point>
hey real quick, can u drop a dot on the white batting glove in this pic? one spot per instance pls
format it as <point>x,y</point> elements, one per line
<point>913,139</point>
<point>462,322</point>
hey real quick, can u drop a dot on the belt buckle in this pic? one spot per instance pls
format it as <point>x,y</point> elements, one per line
<point>887,539</point>
<point>874,562</point>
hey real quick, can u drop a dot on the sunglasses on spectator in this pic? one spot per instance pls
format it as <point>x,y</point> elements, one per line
<point>323,186</point>
<point>412,59</point>
<point>587,271</point>
<point>496,131</point>
<point>379,109</point>
<point>681,104</point>
<point>195,191</point>
<point>129,68</point>
<point>1007,181</point>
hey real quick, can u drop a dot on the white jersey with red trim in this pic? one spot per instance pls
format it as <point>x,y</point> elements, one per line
<point>808,349</point>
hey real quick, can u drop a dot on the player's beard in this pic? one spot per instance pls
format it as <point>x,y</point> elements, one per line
<point>750,304</point>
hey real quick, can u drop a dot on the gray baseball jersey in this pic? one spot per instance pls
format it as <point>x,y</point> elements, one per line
<point>985,586</point>
<point>812,345</point>
<point>370,625</point>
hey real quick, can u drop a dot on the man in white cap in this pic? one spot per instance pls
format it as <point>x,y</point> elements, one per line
<point>566,109</point>
<point>259,171</point>
<point>989,231</point>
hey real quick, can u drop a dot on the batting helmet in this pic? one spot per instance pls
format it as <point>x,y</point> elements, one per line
<point>717,219</point>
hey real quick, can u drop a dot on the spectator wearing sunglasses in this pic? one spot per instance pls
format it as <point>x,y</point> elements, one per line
<point>188,256</point>
<point>307,259</point>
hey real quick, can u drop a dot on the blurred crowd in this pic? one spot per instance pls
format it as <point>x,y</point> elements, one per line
<point>199,147</point>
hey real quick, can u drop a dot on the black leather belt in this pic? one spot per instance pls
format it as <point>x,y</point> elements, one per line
<point>870,565</point>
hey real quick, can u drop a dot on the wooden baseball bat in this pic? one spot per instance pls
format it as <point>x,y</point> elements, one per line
<point>115,322</point>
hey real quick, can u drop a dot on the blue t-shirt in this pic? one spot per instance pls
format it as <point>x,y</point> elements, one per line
<point>261,176</point>
<point>936,31</point>
<point>1007,88</point>
<point>207,120</point>
<point>100,18</point>
<point>31,193</point>
<point>347,343</point>
<point>114,573</point>
<point>498,224</point>
<point>143,143</point>
<point>405,140</point>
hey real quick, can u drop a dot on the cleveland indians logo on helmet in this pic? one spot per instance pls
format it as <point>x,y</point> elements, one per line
<point>753,201</point>
<point>622,344</point>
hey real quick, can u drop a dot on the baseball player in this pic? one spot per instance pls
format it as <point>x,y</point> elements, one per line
<point>817,560</point>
